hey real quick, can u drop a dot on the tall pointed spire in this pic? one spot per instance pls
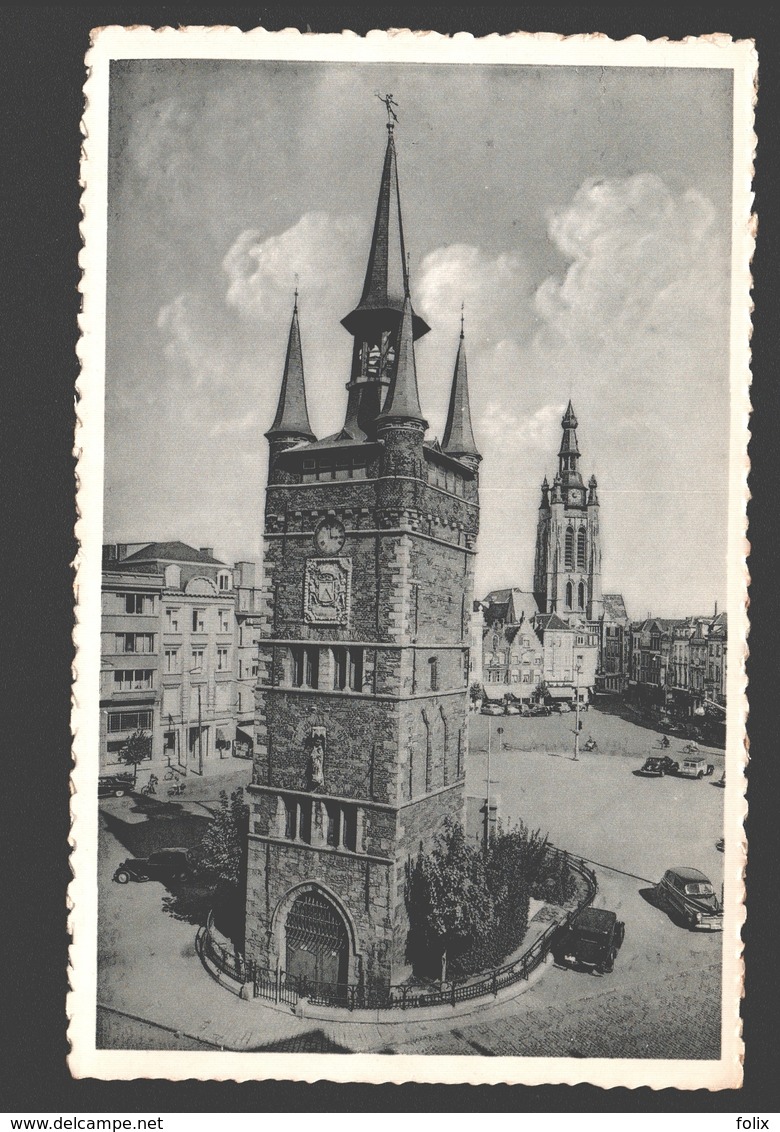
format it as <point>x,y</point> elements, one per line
<point>403,399</point>
<point>292,414</point>
<point>387,278</point>
<point>458,433</point>
<point>569,453</point>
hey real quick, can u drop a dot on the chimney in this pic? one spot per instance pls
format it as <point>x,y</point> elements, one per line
<point>207,550</point>
<point>716,608</point>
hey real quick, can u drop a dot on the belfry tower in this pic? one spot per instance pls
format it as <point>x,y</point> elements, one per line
<point>362,702</point>
<point>567,570</point>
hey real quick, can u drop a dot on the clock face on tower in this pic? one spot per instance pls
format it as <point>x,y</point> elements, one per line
<point>329,536</point>
<point>575,497</point>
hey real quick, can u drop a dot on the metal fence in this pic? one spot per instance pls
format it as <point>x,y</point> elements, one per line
<point>278,986</point>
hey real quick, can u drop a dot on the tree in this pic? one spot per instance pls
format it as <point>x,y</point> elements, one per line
<point>137,748</point>
<point>450,907</point>
<point>223,846</point>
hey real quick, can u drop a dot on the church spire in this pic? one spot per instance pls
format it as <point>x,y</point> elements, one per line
<point>403,399</point>
<point>387,275</point>
<point>292,415</point>
<point>569,453</point>
<point>458,433</point>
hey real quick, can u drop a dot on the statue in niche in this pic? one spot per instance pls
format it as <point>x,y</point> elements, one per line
<point>315,745</point>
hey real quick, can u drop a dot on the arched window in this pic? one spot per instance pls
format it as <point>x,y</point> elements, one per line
<point>581,596</point>
<point>581,545</point>
<point>569,594</point>
<point>569,548</point>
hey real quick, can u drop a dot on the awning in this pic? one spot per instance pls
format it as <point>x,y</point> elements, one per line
<point>560,693</point>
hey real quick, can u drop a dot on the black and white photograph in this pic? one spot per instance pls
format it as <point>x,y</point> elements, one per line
<point>410,706</point>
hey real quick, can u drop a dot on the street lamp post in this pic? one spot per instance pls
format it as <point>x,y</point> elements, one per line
<point>578,669</point>
<point>197,672</point>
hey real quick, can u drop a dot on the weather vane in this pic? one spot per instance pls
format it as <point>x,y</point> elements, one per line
<point>389,102</point>
<point>296,290</point>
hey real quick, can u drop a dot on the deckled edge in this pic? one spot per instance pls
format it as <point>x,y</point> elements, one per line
<point>85,1060</point>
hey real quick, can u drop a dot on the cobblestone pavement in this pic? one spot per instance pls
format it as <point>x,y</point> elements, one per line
<point>682,1021</point>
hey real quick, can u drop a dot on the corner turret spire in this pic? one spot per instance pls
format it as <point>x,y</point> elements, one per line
<point>403,399</point>
<point>292,414</point>
<point>458,433</point>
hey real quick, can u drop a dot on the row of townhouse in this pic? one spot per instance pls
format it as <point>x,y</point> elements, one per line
<point>526,653</point>
<point>679,663</point>
<point>179,656</point>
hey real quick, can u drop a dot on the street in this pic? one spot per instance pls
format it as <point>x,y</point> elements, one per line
<point>662,1000</point>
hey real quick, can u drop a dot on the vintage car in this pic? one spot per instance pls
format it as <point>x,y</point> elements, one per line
<point>539,709</point>
<point>688,895</point>
<point>695,766</point>
<point>114,785</point>
<point>164,865</point>
<point>562,706</point>
<point>491,708</point>
<point>659,765</point>
<point>592,941</point>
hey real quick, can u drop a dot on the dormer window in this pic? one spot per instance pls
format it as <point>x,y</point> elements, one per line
<point>224,580</point>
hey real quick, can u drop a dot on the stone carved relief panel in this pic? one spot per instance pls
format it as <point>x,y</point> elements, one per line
<point>327,591</point>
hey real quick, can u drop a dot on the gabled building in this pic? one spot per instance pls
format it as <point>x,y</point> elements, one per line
<point>362,703</point>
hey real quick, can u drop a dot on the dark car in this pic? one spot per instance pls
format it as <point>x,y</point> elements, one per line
<point>114,785</point>
<point>659,765</point>
<point>688,895</point>
<point>539,709</point>
<point>592,941</point>
<point>165,865</point>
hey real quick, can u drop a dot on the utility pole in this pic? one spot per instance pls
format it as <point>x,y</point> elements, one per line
<point>499,732</point>
<point>577,716</point>
<point>200,737</point>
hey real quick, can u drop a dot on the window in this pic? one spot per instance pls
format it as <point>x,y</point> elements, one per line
<point>135,642</point>
<point>223,660</point>
<point>224,622</point>
<point>569,548</point>
<point>348,669</point>
<point>581,595</point>
<point>255,668</point>
<point>197,658</point>
<point>139,603</point>
<point>569,594</point>
<point>171,660</point>
<point>433,665</point>
<point>581,548</point>
<point>171,620</point>
<point>129,721</point>
<point>306,666</point>
<point>223,580</point>
<point>198,621</point>
<point>133,679</point>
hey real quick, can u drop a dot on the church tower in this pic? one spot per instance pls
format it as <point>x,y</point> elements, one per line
<point>362,702</point>
<point>567,570</point>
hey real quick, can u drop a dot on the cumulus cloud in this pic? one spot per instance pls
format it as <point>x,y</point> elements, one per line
<point>319,249</point>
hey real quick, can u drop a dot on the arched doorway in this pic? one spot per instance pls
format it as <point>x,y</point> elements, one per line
<point>317,943</point>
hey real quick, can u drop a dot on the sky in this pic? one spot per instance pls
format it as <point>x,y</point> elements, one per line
<point>582,215</point>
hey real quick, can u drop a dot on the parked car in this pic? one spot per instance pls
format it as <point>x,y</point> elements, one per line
<point>592,941</point>
<point>562,706</point>
<point>689,894</point>
<point>539,709</point>
<point>513,709</point>
<point>659,765</point>
<point>695,766</point>
<point>492,709</point>
<point>114,785</point>
<point>164,865</point>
